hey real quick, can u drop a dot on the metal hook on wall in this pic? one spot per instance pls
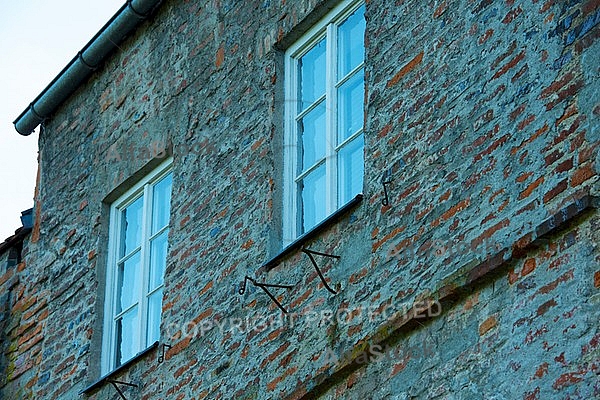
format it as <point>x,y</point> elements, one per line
<point>386,200</point>
<point>310,254</point>
<point>161,358</point>
<point>264,287</point>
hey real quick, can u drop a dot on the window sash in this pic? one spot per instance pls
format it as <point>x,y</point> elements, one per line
<point>112,312</point>
<point>294,171</point>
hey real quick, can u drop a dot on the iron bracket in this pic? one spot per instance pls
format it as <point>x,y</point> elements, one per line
<point>114,383</point>
<point>310,254</point>
<point>264,287</point>
<point>386,200</point>
<point>161,358</point>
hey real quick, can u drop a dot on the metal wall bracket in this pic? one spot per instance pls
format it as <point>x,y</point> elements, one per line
<point>114,383</point>
<point>310,254</point>
<point>386,200</point>
<point>264,287</point>
<point>161,358</point>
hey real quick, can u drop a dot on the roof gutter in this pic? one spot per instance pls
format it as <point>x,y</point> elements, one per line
<point>131,14</point>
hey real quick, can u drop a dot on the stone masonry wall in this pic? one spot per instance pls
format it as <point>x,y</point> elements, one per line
<point>484,114</point>
<point>531,333</point>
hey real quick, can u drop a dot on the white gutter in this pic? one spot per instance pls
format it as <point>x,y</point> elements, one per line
<point>131,14</point>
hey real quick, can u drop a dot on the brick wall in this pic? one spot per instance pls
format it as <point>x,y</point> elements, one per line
<point>484,114</point>
<point>530,333</point>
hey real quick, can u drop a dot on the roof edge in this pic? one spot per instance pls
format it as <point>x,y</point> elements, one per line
<point>125,21</point>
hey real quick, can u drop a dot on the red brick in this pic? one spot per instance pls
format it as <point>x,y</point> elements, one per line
<point>206,288</point>
<point>512,14</point>
<point>565,165</point>
<point>519,73</point>
<point>271,357</point>
<point>534,395</point>
<point>440,10</point>
<point>567,276</point>
<point>523,124</point>
<point>541,370</point>
<point>590,6</point>
<point>301,299</point>
<point>179,347</point>
<point>488,34</point>
<point>181,370</point>
<point>558,189</point>
<point>568,379</point>
<point>488,324</point>
<point>220,57</point>
<point>506,67</point>
<point>460,206</point>
<point>529,189</point>
<point>387,237</point>
<point>553,157</point>
<point>537,133</point>
<point>357,276</point>
<point>273,384</point>
<point>557,85</point>
<point>564,94</point>
<point>399,367</point>
<point>585,154</point>
<point>516,112</point>
<point>247,244</point>
<point>523,177</point>
<point>489,232</point>
<point>543,309</point>
<point>412,64</point>
<point>582,175</point>
<point>497,143</point>
<point>570,111</point>
<point>512,277</point>
<point>528,266</point>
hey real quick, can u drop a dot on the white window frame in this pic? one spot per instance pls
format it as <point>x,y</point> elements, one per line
<point>326,27</point>
<point>142,188</point>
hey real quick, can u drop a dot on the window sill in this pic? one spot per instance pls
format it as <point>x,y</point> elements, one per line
<point>311,234</point>
<point>119,369</point>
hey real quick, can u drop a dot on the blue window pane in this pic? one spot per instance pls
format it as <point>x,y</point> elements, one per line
<point>351,170</point>
<point>161,203</point>
<point>158,260</point>
<point>154,311</point>
<point>312,75</point>
<point>314,194</point>
<point>131,227</point>
<point>351,42</point>
<point>351,106</point>
<point>311,129</point>
<point>127,336</point>
<point>128,283</point>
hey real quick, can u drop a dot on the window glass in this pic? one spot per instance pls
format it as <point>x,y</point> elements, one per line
<point>313,198</point>
<point>158,260</point>
<point>161,199</point>
<point>351,169</point>
<point>351,99</point>
<point>132,226</point>
<point>312,78</point>
<point>129,278</point>
<point>137,262</point>
<point>127,336</point>
<point>154,311</point>
<point>351,43</point>
<point>312,132</point>
<point>324,118</point>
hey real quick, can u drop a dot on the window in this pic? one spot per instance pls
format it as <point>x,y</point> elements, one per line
<point>324,113</point>
<point>139,227</point>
